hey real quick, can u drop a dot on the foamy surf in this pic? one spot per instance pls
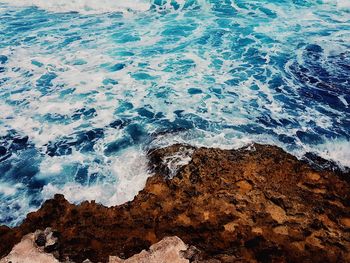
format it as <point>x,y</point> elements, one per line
<point>128,175</point>
<point>84,6</point>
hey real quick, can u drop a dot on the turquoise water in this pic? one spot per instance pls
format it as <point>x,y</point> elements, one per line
<point>87,87</point>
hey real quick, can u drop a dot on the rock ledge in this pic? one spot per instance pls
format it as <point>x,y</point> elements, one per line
<point>255,204</point>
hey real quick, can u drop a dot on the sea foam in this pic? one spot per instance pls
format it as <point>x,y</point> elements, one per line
<point>84,6</point>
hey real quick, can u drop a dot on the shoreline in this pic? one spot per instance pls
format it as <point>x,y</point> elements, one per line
<point>257,203</point>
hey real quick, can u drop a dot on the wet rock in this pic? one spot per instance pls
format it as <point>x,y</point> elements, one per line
<point>40,238</point>
<point>47,239</point>
<point>255,204</point>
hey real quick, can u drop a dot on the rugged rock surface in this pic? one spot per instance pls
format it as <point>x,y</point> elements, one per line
<point>169,249</point>
<point>253,204</point>
<point>28,252</point>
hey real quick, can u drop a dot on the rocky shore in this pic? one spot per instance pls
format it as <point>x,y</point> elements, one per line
<point>255,204</point>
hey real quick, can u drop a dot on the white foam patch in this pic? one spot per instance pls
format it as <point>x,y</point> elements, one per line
<point>335,150</point>
<point>9,190</point>
<point>84,6</point>
<point>130,174</point>
<point>178,160</point>
<point>344,4</point>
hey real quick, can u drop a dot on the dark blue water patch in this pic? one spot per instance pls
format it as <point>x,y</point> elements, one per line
<point>37,63</point>
<point>5,155</point>
<point>124,106</point>
<point>276,82</point>
<point>3,150</point>
<point>143,112</point>
<point>233,82</point>
<point>44,83</point>
<point>194,91</point>
<point>3,59</point>
<point>268,121</point>
<point>161,7</point>
<point>117,67</point>
<point>136,132</point>
<point>35,199</point>
<point>19,143</point>
<point>5,167</point>
<point>323,78</point>
<point>13,142</point>
<point>119,124</point>
<point>223,8</point>
<point>288,140</point>
<point>178,113</point>
<point>21,167</point>
<point>197,122</point>
<point>151,51</point>
<point>67,41</point>
<point>288,123</point>
<point>166,126</point>
<point>313,51</point>
<point>84,113</point>
<point>4,80</point>
<point>55,118</point>
<point>93,178</point>
<point>8,213</point>
<point>330,134</point>
<point>114,25</point>
<point>217,92</point>
<point>83,141</point>
<point>162,92</point>
<point>245,42</point>
<point>82,174</point>
<point>66,91</point>
<point>268,12</point>
<point>309,137</point>
<point>255,57</point>
<point>118,145</point>
<point>217,37</point>
<point>255,129</point>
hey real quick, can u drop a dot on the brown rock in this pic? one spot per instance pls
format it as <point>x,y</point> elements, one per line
<point>253,204</point>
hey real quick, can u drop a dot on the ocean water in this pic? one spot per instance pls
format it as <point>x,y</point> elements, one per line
<point>88,86</point>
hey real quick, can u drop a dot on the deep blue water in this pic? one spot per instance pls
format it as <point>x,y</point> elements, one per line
<point>86,89</point>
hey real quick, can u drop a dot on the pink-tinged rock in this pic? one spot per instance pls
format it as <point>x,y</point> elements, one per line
<point>169,249</point>
<point>27,252</point>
